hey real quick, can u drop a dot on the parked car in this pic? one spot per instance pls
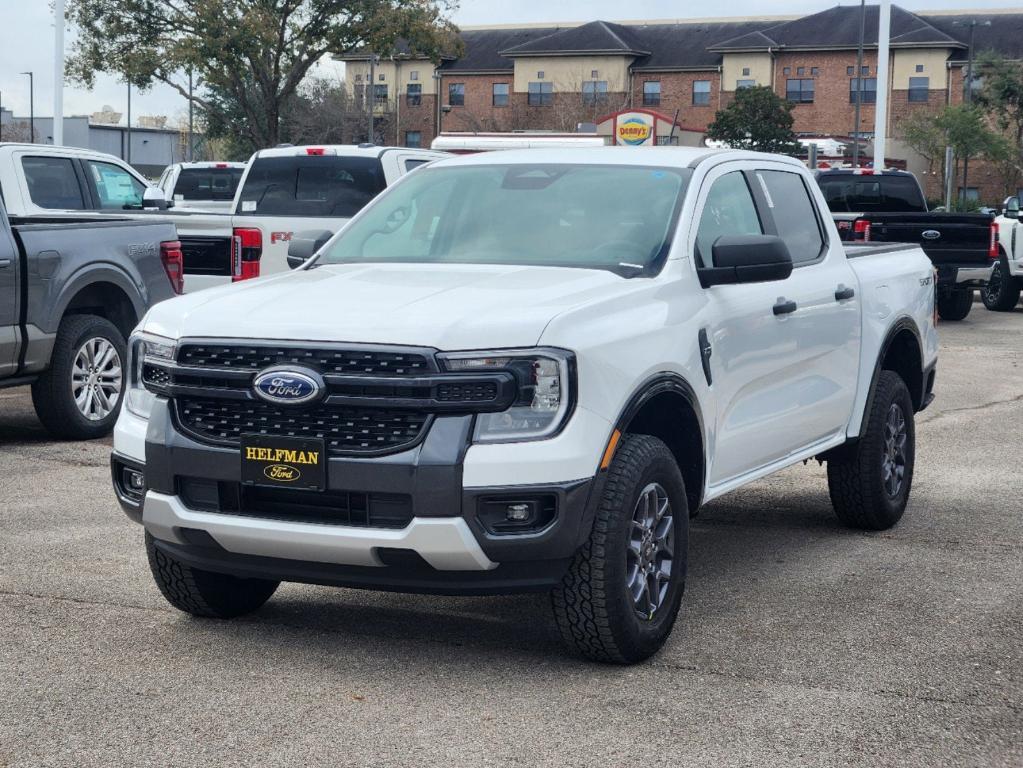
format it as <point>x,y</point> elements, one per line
<point>204,186</point>
<point>1003,289</point>
<point>889,206</point>
<point>71,291</point>
<point>525,371</point>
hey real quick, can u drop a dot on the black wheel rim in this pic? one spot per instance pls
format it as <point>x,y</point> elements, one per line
<point>893,459</point>
<point>994,284</point>
<point>650,557</point>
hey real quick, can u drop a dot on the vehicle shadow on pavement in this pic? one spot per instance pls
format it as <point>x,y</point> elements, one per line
<point>746,536</point>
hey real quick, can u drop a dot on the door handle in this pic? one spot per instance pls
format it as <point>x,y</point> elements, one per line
<point>784,307</point>
<point>5,263</point>
<point>842,293</point>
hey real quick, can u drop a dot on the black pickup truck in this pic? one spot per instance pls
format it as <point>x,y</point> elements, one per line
<point>72,288</point>
<point>889,206</point>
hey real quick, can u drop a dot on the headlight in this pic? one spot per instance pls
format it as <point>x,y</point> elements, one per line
<point>545,390</point>
<point>141,346</point>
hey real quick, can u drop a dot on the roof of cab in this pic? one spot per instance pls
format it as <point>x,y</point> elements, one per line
<point>667,157</point>
<point>342,150</point>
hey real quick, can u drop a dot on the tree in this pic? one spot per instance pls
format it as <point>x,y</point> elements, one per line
<point>250,56</point>
<point>757,119</point>
<point>1001,97</point>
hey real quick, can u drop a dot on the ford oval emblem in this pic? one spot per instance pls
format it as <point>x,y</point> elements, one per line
<point>288,386</point>
<point>930,234</point>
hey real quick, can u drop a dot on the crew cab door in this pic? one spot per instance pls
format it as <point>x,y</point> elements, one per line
<point>784,354</point>
<point>9,299</point>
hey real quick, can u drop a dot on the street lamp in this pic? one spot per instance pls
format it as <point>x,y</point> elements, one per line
<point>31,106</point>
<point>1,115</point>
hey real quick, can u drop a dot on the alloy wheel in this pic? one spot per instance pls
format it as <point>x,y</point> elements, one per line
<point>649,559</point>
<point>893,460</point>
<point>96,378</point>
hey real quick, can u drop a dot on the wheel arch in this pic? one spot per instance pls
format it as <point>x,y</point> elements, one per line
<point>902,353</point>
<point>665,406</point>
<point>108,295</point>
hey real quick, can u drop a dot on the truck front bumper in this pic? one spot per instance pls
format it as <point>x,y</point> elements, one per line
<point>450,541</point>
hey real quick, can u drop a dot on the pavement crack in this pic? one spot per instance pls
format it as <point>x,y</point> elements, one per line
<point>968,408</point>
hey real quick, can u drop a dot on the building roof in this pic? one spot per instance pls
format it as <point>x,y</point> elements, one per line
<point>594,38</point>
<point>483,47</point>
<point>688,45</point>
<point>1001,32</point>
<point>839,27</point>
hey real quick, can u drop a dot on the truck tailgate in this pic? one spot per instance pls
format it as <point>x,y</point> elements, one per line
<point>948,239</point>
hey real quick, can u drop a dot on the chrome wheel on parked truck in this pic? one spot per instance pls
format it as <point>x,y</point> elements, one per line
<point>96,377</point>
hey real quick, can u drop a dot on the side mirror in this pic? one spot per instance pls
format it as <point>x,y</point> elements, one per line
<point>1010,208</point>
<point>154,199</point>
<point>747,259</point>
<point>303,245</point>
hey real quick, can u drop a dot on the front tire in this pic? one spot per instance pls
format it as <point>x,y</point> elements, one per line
<point>1001,294</point>
<point>870,481</point>
<point>621,595</point>
<point>955,305</point>
<point>80,394</point>
<point>205,593</point>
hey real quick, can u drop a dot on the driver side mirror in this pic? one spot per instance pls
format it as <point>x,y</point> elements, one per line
<point>153,198</point>
<point>303,245</point>
<point>747,259</point>
<point>1010,208</point>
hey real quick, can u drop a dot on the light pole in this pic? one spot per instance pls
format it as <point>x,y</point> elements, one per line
<point>859,84</point>
<point>191,141</point>
<point>128,152</point>
<point>1,115</point>
<point>31,106</point>
<point>968,98</point>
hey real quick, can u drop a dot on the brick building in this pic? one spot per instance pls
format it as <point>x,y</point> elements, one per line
<point>553,78</point>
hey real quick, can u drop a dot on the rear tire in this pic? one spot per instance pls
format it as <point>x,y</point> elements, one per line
<point>205,593</point>
<point>955,305</point>
<point>870,481</point>
<point>1001,294</point>
<point>80,395</point>
<point>621,595</point>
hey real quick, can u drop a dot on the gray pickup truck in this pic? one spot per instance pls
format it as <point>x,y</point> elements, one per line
<point>71,290</point>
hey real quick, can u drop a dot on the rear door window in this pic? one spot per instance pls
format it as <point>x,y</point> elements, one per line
<point>729,210</point>
<point>52,183</point>
<point>207,183</point>
<point>116,189</point>
<point>794,214</point>
<point>318,185</point>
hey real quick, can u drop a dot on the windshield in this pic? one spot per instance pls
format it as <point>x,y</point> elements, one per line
<point>310,185</point>
<point>207,183</point>
<point>848,193</point>
<point>613,217</point>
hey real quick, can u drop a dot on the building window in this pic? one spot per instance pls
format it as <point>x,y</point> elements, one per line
<point>456,94</point>
<point>539,75</point>
<point>740,84</point>
<point>918,88</point>
<point>869,93</point>
<point>814,71</point>
<point>594,74</point>
<point>414,94</point>
<point>786,71</point>
<point>850,71</point>
<point>745,71</point>
<point>919,67</point>
<point>800,71</point>
<point>358,78</point>
<point>413,139</point>
<point>540,94</point>
<point>799,91</point>
<point>864,71</point>
<point>413,75</point>
<point>701,93</point>
<point>381,78</point>
<point>652,93</point>
<point>969,194</point>
<point>595,92</point>
<point>500,94</point>
<point>380,94</point>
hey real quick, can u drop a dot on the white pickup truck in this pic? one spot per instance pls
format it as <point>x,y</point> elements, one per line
<point>526,371</point>
<point>283,191</point>
<point>1001,294</point>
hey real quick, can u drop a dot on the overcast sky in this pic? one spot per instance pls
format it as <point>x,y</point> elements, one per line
<point>27,34</point>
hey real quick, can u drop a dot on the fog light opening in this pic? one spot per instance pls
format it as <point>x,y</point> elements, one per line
<point>517,514</point>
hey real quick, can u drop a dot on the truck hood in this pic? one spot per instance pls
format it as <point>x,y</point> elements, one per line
<point>449,307</point>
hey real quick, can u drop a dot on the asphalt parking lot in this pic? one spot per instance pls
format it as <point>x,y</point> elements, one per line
<point>800,643</point>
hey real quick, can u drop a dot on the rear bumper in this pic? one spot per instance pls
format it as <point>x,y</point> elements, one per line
<point>973,276</point>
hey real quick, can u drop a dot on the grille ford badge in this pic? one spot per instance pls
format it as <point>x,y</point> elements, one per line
<point>288,386</point>
<point>930,234</point>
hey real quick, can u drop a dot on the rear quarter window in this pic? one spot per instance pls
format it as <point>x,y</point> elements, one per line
<point>320,185</point>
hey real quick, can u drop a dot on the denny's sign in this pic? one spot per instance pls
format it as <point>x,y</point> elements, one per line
<point>635,127</point>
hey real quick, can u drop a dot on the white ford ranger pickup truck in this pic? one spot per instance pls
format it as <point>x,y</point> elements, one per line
<point>525,371</point>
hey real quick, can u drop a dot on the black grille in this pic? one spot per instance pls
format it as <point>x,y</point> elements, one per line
<point>343,361</point>
<point>331,507</point>
<point>475,392</point>
<point>155,375</point>
<point>346,430</point>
